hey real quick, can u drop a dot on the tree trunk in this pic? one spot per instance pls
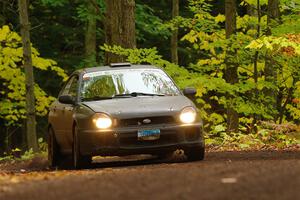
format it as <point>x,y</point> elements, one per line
<point>2,138</point>
<point>29,82</point>
<point>3,7</point>
<point>119,27</point>
<point>273,13</point>
<point>231,75</point>
<point>2,20</point>
<point>270,68</point>
<point>90,34</point>
<point>174,37</point>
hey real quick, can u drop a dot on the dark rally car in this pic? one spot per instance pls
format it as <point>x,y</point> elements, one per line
<point>122,109</point>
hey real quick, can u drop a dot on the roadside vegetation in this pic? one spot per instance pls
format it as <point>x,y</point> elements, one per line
<point>18,155</point>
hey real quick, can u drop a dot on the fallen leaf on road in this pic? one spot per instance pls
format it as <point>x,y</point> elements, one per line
<point>14,180</point>
<point>5,189</point>
<point>228,180</point>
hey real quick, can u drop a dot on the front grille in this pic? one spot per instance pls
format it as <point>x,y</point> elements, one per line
<point>143,121</point>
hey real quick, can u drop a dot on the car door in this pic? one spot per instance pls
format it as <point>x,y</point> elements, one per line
<point>64,115</point>
<point>68,112</point>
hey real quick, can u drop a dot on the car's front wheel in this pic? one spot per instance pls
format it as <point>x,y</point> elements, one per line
<point>79,161</point>
<point>195,153</point>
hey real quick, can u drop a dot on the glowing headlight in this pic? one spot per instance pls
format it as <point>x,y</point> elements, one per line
<point>188,115</point>
<point>102,121</point>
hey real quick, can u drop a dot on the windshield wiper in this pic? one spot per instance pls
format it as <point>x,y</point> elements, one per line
<point>95,98</point>
<point>128,95</point>
<point>135,94</point>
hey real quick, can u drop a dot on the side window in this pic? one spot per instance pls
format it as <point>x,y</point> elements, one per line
<point>71,87</point>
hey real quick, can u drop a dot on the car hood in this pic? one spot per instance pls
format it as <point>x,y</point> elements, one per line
<point>140,106</point>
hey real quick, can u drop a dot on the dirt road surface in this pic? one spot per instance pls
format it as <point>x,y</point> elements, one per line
<point>222,175</point>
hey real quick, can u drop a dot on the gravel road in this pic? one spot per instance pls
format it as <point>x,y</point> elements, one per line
<point>222,175</point>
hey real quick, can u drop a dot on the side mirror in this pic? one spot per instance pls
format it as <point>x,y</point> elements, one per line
<point>66,99</point>
<point>189,92</point>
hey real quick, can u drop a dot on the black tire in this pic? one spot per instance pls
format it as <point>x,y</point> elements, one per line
<point>195,153</point>
<point>54,155</point>
<point>79,161</point>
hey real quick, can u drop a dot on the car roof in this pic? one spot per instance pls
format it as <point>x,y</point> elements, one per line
<point>109,68</point>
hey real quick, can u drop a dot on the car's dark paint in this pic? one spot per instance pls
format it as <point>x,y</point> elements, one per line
<point>140,107</point>
<point>68,112</point>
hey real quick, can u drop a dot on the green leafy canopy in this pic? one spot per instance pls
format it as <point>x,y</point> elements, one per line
<point>12,78</point>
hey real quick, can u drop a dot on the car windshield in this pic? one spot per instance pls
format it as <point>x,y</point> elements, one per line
<point>126,83</point>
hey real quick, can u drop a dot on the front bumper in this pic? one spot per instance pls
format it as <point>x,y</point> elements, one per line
<point>124,141</point>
